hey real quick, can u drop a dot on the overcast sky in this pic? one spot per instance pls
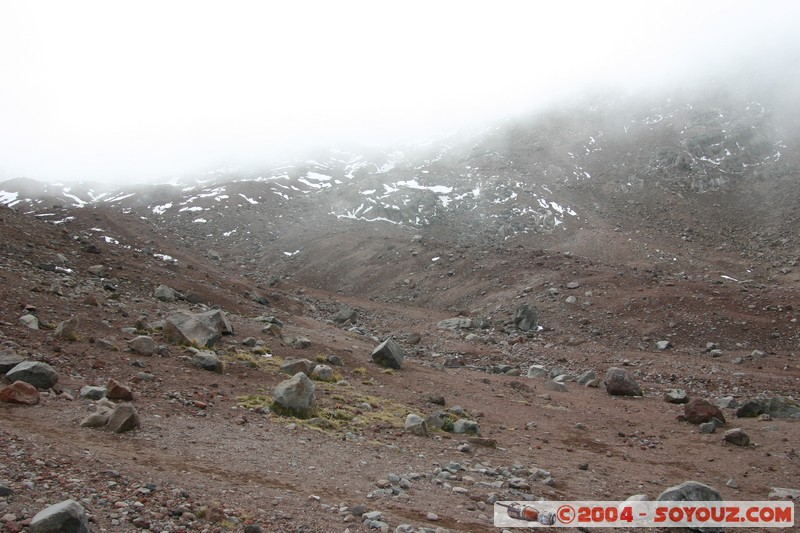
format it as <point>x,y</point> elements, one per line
<point>112,90</point>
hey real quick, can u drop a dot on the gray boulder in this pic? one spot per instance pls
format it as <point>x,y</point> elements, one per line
<point>29,321</point>
<point>92,393</point>
<point>537,371</point>
<point>776,407</point>
<point>468,427</point>
<point>143,345</point>
<point>526,318</point>
<point>690,491</point>
<point>123,418</point>
<point>416,425</point>
<point>40,375</point>
<point>676,396</point>
<point>737,437</point>
<point>207,361</point>
<point>322,373</point>
<point>99,418</point>
<point>201,329</point>
<point>620,382</point>
<point>68,329</point>
<point>66,517</point>
<point>295,396</point>
<point>587,378</point>
<point>8,360</point>
<point>293,366</point>
<point>455,323</point>
<point>388,354</point>
<point>165,294</point>
<point>345,315</point>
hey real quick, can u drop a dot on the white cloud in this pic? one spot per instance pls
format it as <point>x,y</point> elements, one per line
<point>125,90</point>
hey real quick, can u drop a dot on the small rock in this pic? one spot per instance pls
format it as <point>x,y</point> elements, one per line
<point>663,345</point>
<point>301,343</point>
<point>737,436</point>
<point>586,378</point>
<point>293,366</point>
<point>68,329</point>
<point>777,493</point>
<point>143,345</point>
<point>118,391</point>
<point>322,373</point>
<point>676,396</point>
<point>29,321</point>
<point>537,371</point>
<point>207,360</point>
<point>731,483</point>
<point>464,426</point>
<point>164,293</point>
<point>123,418</point>
<point>92,393</point>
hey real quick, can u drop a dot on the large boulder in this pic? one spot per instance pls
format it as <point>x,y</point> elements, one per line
<point>295,396</point>
<point>620,382</point>
<point>40,375</point>
<point>388,354</point>
<point>66,517</point>
<point>700,410</point>
<point>526,318</point>
<point>200,329</point>
<point>21,393</point>
<point>776,407</point>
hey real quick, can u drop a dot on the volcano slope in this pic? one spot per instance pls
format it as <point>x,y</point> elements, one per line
<point>693,288</point>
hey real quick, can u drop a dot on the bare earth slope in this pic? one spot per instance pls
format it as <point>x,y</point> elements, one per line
<point>662,247</point>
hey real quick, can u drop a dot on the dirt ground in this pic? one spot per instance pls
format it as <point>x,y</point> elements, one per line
<point>211,456</point>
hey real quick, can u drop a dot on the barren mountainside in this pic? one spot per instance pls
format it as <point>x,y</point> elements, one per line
<point>656,235</point>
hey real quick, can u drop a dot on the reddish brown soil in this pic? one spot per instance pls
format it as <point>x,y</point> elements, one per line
<point>198,448</point>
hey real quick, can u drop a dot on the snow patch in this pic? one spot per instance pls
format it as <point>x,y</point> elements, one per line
<point>161,209</point>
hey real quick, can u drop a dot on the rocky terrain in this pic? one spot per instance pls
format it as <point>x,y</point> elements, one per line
<point>203,355</point>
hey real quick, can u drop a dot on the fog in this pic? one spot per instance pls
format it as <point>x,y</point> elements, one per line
<point>146,90</point>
